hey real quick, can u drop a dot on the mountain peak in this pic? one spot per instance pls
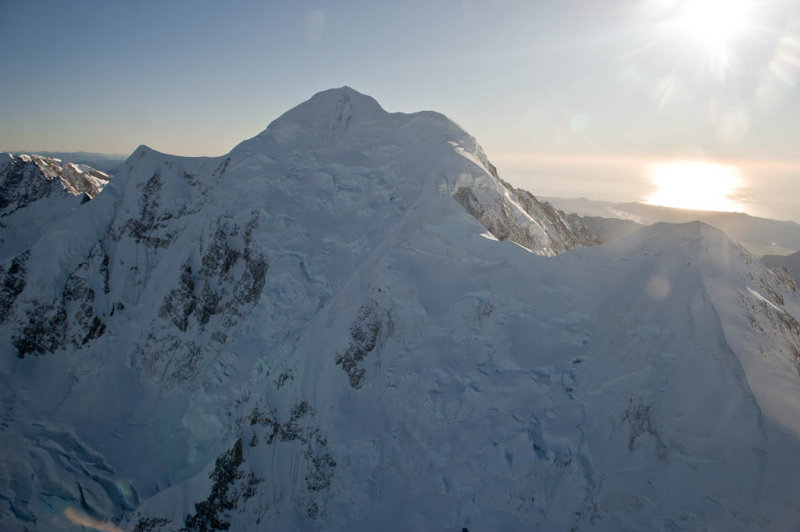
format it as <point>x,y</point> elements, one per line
<point>426,150</point>
<point>326,116</point>
<point>337,106</point>
<point>342,96</point>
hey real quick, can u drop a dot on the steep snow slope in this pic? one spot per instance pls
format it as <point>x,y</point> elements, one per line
<point>321,330</point>
<point>36,192</point>
<point>652,386</point>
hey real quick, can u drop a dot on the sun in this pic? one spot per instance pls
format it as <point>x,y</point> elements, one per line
<point>695,185</point>
<point>714,28</point>
<point>715,23</point>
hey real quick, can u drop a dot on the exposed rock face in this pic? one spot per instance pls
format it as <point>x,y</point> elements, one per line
<point>13,279</point>
<point>789,264</point>
<point>70,320</point>
<point>365,333</point>
<point>36,195</point>
<point>42,189</point>
<point>522,219</point>
<point>769,313</point>
<point>25,179</point>
<point>300,431</point>
<point>210,298</point>
<point>209,513</point>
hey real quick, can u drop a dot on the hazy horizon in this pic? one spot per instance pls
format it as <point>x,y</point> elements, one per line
<point>622,178</point>
<point>605,90</point>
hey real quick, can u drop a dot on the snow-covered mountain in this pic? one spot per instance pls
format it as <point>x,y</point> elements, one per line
<point>37,193</point>
<point>105,162</point>
<point>350,322</point>
<point>25,179</point>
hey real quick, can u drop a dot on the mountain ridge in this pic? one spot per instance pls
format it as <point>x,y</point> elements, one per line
<point>611,220</point>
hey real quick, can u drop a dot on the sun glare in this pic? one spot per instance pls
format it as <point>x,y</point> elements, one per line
<point>695,185</point>
<point>715,23</point>
<point>714,28</point>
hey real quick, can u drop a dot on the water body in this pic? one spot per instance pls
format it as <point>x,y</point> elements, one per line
<point>770,189</point>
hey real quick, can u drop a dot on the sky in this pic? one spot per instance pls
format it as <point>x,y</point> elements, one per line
<point>567,95</point>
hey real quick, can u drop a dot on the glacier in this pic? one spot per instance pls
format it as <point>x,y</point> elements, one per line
<point>351,322</point>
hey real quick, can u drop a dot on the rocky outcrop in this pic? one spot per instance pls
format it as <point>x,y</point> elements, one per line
<point>150,227</point>
<point>301,430</point>
<point>209,514</point>
<point>210,296</point>
<point>516,215</point>
<point>70,320</point>
<point>367,330</point>
<point>13,282</point>
<point>25,179</point>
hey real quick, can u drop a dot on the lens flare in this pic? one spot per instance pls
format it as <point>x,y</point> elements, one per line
<point>80,518</point>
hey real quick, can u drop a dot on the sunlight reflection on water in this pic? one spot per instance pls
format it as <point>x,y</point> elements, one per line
<point>765,188</point>
<point>695,185</point>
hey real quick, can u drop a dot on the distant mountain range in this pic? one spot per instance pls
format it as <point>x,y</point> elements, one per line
<point>105,162</point>
<point>610,220</point>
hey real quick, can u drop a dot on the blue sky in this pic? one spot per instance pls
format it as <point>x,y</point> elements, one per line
<point>568,78</point>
